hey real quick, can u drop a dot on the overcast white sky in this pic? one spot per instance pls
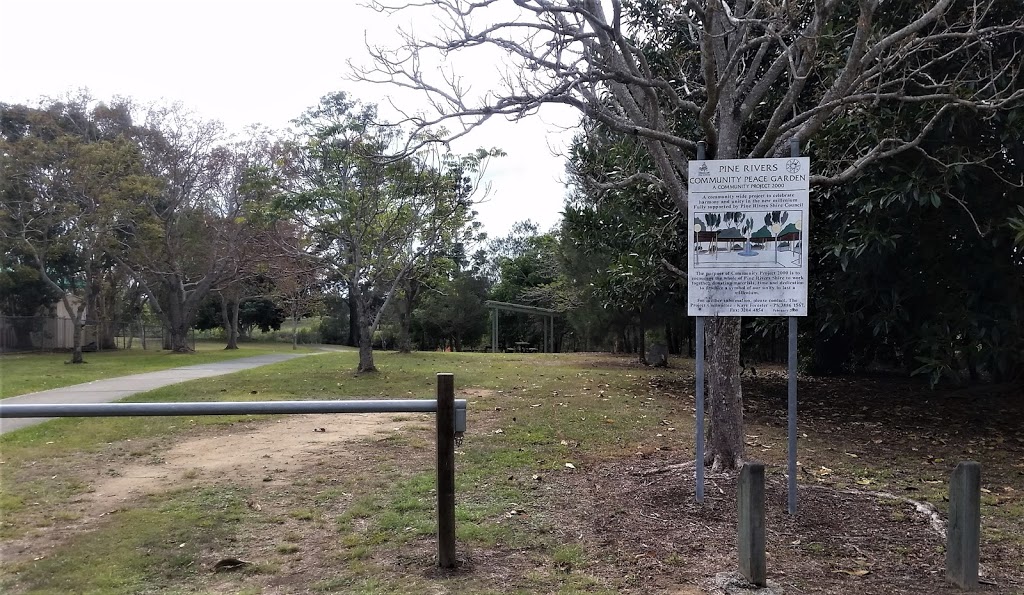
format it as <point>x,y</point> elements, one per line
<point>244,62</point>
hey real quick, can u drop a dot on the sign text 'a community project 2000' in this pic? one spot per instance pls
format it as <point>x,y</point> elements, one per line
<point>748,223</point>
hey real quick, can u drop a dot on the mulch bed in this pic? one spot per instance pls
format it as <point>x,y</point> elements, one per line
<point>649,529</point>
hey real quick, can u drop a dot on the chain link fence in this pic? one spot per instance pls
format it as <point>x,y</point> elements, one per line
<point>57,333</point>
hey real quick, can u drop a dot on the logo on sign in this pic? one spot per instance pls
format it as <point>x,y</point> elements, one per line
<point>793,166</point>
<point>703,169</point>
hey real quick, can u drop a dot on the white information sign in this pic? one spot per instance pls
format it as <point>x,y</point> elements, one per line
<point>749,220</point>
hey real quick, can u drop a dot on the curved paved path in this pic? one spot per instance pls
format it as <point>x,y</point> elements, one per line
<point>112,389</point>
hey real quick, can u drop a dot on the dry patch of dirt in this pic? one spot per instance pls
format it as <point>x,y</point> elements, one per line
<point>260,454</point>
<point>471,393</point>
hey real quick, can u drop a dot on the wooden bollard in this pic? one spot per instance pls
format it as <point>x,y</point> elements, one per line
<point>750,523</point>
<point>446,471</point>
<point>963,532</point>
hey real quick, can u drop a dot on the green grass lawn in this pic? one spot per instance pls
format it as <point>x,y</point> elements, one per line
<point>31,372</point>
<point>360,517</point>
<point>48,465</point>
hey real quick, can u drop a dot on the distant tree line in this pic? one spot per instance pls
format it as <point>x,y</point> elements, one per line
<point>127,212</point>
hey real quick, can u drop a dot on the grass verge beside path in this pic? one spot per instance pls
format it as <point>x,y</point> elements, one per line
<point>24,373</point>
<point>530,415</point>
<point>550,461</point>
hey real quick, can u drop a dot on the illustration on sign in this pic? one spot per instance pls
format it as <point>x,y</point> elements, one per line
<point>749,220</point>
<point>733,239</point>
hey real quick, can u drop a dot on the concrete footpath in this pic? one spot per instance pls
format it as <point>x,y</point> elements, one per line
<point>112,389</point>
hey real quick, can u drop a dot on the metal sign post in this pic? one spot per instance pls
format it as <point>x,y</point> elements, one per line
<point>794,151</point>
<point>700,409</point>
<point>699,397</point>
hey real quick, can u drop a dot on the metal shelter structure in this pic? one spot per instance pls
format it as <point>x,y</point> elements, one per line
<point>547,316</point>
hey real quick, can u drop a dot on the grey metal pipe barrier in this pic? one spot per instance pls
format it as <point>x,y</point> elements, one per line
<point>230,408</point>
<point>447,429</point>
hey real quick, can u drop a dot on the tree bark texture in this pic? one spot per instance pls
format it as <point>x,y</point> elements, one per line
<point>176,328</point>
<point>365,337</point>
<point>725,395</point>
<point>229,325</point>
<point>403,309</point>
<point>642,344</point>
<point>236,308</point>
<point>76,353</point>
<point>106,314</point>
<point>353,316</point>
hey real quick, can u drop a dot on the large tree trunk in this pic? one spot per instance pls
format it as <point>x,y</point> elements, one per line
<point>353,315</point>
<point>76,352</point>
<point>236,329</point>
<point>365,337</point>
<point>106,313</point>
<point>105,334</point>
<point>366,349</point>
<point>230,325</point>
<point>725,396</point>
<point>176,329</point>
<point>403,309</point>
<point>295,324</point>
<point>642,345</point>
<point>177,339</point>
<point>23,329</point>
<point>725,435</point>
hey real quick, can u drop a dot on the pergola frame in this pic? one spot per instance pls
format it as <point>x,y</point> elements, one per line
<point>547,316</point>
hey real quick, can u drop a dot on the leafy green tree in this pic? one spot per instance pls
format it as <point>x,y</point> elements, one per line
<point>452,313</point>
<point>66,167</point>
<point>919,270</point>
<point>525,268</point>
<point>621,244</point>
<point>371,219</point>
<point>298,278</point>
<point>254,313</point>
<point>447,258</point>
<point>334,325</point>
<point>23,295</point>
<point>187,237</point>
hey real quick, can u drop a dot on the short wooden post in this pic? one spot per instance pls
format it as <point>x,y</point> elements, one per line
<point>750,523</point>
<point>446,470</point>
<point>963,532</point>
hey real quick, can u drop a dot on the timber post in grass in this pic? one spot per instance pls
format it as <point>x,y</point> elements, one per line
<point>750,523</point>
<point>963,532</point>
<point>446,470</point>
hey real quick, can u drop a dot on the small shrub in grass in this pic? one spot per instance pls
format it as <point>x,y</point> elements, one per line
<point>567,557</point>
<point>358,552</point>
<point>302,514</point>
<point>333,585</point>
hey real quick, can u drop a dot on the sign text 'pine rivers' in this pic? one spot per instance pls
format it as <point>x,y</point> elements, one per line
<point>749,221</point>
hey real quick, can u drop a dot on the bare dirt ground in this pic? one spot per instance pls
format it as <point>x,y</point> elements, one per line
<point>259,455</point>
<point>650,529</point>
<point>859,436</point>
